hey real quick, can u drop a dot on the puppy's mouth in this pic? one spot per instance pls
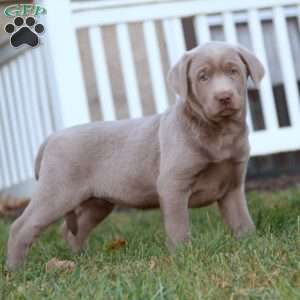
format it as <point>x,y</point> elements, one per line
<point>228,111</point>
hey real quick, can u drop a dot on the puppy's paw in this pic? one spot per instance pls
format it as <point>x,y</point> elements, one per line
<point>13,265</point>
<point>174,247</point>
<point>244,231</point>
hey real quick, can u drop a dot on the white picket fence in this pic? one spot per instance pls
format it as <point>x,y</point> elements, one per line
<point>25,111</point>
<point>43,90</point>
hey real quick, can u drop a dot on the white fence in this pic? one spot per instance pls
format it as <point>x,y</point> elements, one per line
<point>25,111</point>
<point>60,100</point>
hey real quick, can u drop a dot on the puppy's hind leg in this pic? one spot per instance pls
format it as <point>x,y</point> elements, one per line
<point>89,214</point>
<point>46,207</point>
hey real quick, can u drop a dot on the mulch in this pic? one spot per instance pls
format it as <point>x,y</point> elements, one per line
<point>12,207</point>
<point>273,184</point>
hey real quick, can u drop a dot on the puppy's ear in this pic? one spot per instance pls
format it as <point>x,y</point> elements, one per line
<point>178,76</point>
<point>254,67</point>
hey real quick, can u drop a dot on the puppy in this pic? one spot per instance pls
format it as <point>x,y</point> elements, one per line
<point>192,155</point>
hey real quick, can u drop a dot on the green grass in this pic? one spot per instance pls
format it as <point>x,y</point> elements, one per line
<point>214,266</point>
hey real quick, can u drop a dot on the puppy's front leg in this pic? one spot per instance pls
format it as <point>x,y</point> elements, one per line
<point>174,207</point>
<point>235,212</point>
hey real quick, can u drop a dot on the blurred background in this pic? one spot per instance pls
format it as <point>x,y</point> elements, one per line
<point>107,60</point>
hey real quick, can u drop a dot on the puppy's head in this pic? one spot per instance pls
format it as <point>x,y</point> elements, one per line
<point>213,79</point>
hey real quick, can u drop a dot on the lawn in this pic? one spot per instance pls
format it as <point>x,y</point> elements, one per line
<point>214,266</point>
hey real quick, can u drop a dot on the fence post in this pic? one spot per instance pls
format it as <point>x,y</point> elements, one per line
<point>63,60</point>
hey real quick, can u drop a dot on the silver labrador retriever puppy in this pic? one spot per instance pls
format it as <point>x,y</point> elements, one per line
<point>194,154</point>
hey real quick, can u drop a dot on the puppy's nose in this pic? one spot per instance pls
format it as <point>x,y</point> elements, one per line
<point>225,97</point>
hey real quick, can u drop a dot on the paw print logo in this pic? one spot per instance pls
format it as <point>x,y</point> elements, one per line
<point>24,32</point>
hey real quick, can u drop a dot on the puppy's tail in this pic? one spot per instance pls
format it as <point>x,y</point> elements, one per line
<point>38,159</point>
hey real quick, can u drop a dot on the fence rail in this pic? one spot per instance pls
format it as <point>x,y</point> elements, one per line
<point>170,9</point>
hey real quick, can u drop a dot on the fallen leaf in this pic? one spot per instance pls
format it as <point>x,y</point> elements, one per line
<point>116,244</point>
<point>63,265</point>
<point>152,264</point>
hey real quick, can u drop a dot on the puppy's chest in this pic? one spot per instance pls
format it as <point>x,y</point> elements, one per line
<point>222,149</point>
<point>212,183</point>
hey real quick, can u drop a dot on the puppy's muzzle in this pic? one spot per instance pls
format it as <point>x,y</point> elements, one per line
<point>224,98</point>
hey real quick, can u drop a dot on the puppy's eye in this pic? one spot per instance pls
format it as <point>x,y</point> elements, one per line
<point>233,71</point>
<point>203,77</point>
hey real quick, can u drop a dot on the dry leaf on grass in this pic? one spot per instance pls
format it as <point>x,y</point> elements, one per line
<point>116,244</point>
<point>63,265</point>
<point>152,264</point>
